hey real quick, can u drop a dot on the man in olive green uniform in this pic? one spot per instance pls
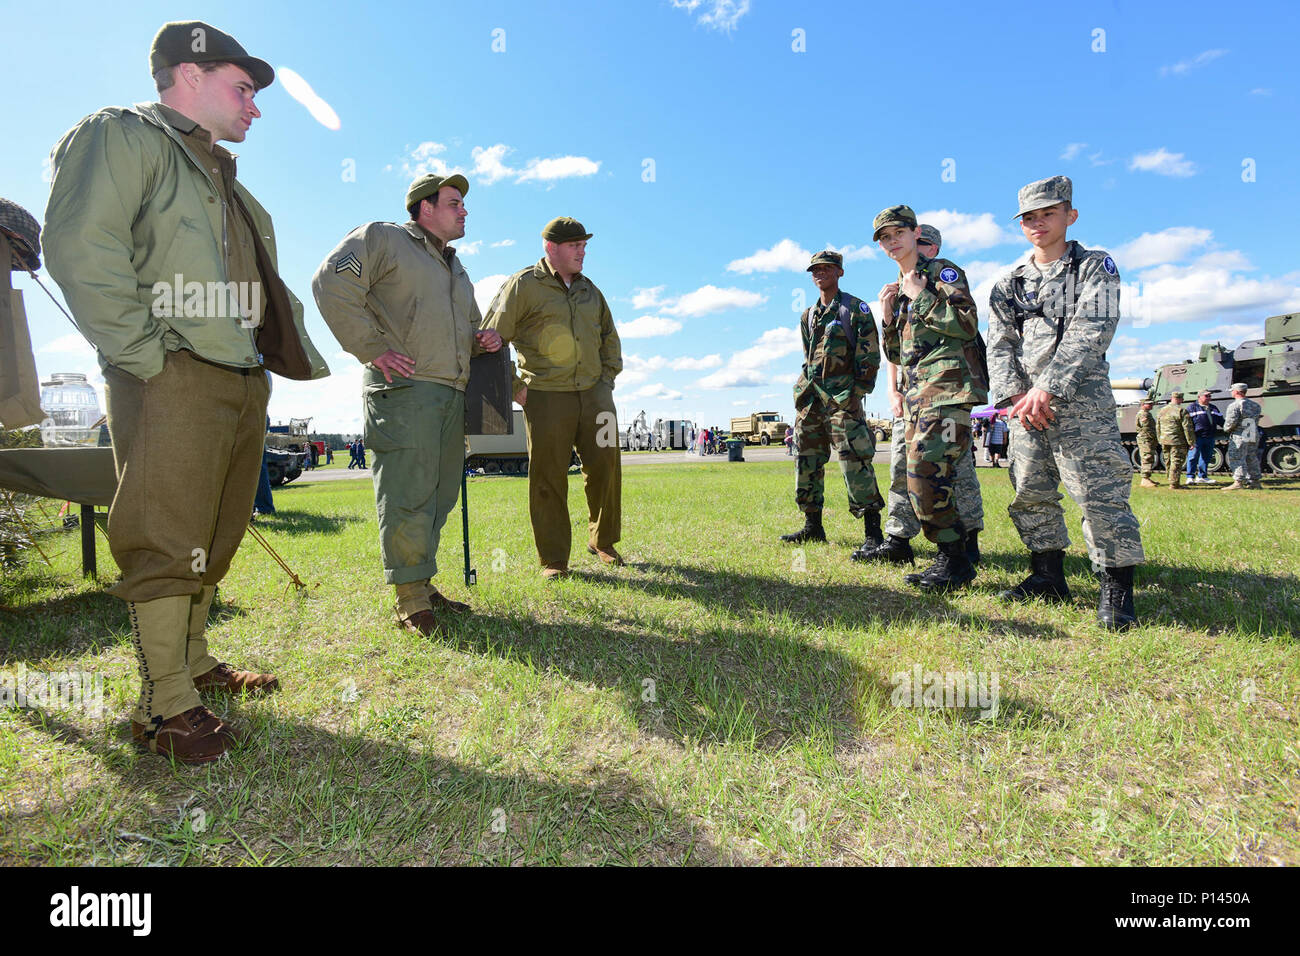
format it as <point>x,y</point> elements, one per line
<point>568,356</point>
<point>1147,442</point>
<point>931,332</point>
<point>1176,433</point>
<point>143,200</point>
<point>841,353</point>
<point>398,298</point>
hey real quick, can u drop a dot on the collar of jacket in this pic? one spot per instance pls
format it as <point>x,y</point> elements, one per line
<point>166,119</point>
<point>544,271</point>
<point>418,232</point>
<point>1027,269</point>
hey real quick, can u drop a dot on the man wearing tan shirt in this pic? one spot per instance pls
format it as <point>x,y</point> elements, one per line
<point>568,356</point>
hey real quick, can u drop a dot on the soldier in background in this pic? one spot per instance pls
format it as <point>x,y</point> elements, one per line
<point>931,331</point>
<point>1147,442</point>
<point>1241,425</point>
<point>1174,427</point>
<point>1053,317</point>
<point>901,525</point>
<point>841,351</point>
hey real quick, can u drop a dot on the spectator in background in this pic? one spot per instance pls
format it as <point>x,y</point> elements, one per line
<point>1206,420</point>
<point>996,445</point>
<point>789,441</point>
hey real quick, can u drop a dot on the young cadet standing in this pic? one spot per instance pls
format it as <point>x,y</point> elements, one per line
<point>143,198</point>
<point>841,353</point>
<point>931,332</point>
<point>901,525</point>
<point>1053,317</point>
<point>569,355</point>
<point>398,298</point>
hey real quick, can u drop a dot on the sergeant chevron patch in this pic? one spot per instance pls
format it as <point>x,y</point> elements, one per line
<point>349,263</point>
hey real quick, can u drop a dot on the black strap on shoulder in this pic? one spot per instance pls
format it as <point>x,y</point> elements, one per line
<point>1025,309</point>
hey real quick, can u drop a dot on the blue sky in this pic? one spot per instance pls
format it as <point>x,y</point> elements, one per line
<point>710,146</point>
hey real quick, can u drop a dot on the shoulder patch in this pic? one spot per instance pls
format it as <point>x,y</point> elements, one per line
<point>1109,265</point>
<point>948,274</point>
<point>349,263</point>
<point>862,307</point>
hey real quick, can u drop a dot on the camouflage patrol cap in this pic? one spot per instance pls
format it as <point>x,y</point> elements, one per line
<point>1205,391</point>
<point>1239,387</point>
<point>1044,193</point>
<point>931,235</point>
<point>565,229</point>
<point>1176,393</point>
<point>893,216</point>
<point>428,185</point>
<point>24,234</point>
<point>193,41</point>
<point>827,257</point>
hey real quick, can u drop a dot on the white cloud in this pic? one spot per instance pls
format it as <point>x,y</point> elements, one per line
<point>733,378</point>
<point>71,344</point>
<point>855,253</point>
<point>967,232</point>
<point>646,298</point>
<point>696,364</point>
<point>1167,245</point>
<point>333,403</point>
<point>301,90</point>
<point>710,298</point>
<point>1186,66</point>
<point>787,255</point>
<point>637,369</point>
<point>717,14</point>
<point>656,391</point>
<point>425,159</point>
<point>770,346</point>
<point>1233,334</point>
<point>561,167</point>
<point>469,248</point>
<point>647,326</point>
<point>1261,91</point>
<point>1072,150</point>
<point>485,288</point>
<point>1163,162</point>
<point>488,165</point>
<point>503,244</point>
<point>1130,357</point>
<point>1195,292</point>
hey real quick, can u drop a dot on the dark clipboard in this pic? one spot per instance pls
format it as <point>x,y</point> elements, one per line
<point>488,399</point>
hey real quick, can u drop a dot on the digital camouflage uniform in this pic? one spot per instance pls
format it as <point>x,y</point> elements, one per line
<point>1241,425</point>
<point>1177,434</point>
<point>933,344</point>
<point>841,357</point>
<point>1147,441</point>
<point>1081,446</point>
<point>902,521</point>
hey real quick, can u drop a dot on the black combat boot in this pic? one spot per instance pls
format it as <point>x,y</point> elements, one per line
<point>1046,579</point>
<point>951,569</point>
<point>973,547</point>
<point>873,539</point>
<point>894,550</point>
<point>812,529</point>
<point>1115,609</point>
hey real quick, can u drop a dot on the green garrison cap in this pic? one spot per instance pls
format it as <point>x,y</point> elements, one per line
<point>565,229</point>
<point>893,216</point>
<point>193,41</point>
<point>1044,193</point>
<point>828,257</point>
<point>429,185</point>
<point>931,235</point>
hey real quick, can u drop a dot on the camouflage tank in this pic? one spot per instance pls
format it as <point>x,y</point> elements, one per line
<point>1270,367</point>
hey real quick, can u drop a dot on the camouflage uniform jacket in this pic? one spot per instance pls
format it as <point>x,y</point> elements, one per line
<point>841,351</point>
<point>933,341</point>
<point>1240,411</point>
<point>1075,371</point>
<point>1175,426</point>
<point>1146,426</point>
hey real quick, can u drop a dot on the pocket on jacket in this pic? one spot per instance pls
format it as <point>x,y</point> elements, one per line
<point>389,416</point>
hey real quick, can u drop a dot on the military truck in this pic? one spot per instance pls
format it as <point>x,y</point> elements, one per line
<point>882,428</point>
<point>503,454</point>
<point>762,427</point>
<point>670,434</point>
<point>1270,367</point>
<point>637,436</point>
<point>286,450</point>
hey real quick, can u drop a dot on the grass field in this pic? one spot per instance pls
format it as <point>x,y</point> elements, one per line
<point>723,699</point>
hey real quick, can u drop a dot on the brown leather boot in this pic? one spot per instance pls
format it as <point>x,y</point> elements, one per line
<point>553,572</point>
<point>196,736</point>
<point>607,555</point>
<point>441,602</point>
<point>225,678</point>
<point>421,622</point>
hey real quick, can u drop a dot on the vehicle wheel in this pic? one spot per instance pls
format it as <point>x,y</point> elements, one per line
<point>765,440</point>
<point>492,468</point>
<point>1134,455</point>
<point>1284,459</point>
<point>523,468</point>
<point>881,437</point>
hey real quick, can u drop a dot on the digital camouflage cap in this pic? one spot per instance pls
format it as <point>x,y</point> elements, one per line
<point>1239,387</point>
<point>193,41</point>
<point>893,216</point>
<point>826,257</point>
<point>1044,193</point>
<point>931,235</point>
<point>565,229</point>
<point>429,185</point>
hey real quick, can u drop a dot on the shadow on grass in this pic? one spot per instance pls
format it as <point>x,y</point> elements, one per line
<point>302,794</point>
<point>1253,603</point>
<point>288,521</point>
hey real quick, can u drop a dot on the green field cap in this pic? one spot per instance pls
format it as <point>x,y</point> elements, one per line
<point>565,229</point>
<point>193,41</point>
<point>429,185</point>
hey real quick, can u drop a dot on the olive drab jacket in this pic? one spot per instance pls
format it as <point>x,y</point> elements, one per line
<point>841,351</point>
<point>564,339</point>
<point>134,219</point>
<point>395,287</point>
<point>934,342</point>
